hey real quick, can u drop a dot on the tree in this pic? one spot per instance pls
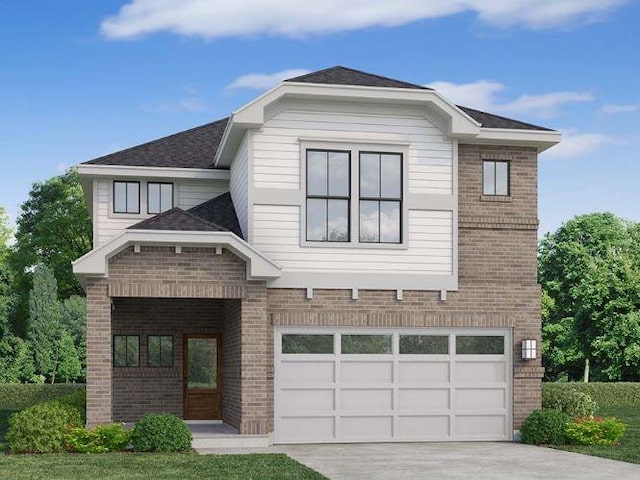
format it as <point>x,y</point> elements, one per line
<point>589,268</point>
<point>69,366</point>
<point>53,228</point>
<point>73,317</point>
<point>5,234</point>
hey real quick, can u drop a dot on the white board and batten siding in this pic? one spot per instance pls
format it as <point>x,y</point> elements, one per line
<point>187,194</point>
<point>277,157</point>
<point>239,184</point>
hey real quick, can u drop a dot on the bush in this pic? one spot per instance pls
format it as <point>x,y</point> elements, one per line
<point>595,431</point>
<point>572,402</point>
<point>545,427</point>
<point>101,439</point>
<point>618,394</point>
<point>41,428</point>
<point>18,396</point>
<point>161,432</point>
<point>76,399</point>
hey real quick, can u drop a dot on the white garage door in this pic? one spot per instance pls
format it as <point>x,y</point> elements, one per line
<point>392,385</point>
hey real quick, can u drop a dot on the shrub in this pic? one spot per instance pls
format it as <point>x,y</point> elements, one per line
<point>545,427</point>
<point>101,439</point>
<point>572,402</point>
<point>18,396</point>
<point>161,432</point>
<point>41,428</point>
<point>595,431</point>
<point>76,399</point>
<point>615,394</point>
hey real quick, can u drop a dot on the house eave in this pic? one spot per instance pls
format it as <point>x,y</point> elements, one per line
<point>157,172</point>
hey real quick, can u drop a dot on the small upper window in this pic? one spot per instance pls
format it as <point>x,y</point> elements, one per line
<point>126,197</point>
<point>495,178</point>
<point>159,197</point>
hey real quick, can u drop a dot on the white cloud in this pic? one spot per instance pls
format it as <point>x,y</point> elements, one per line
<point>612,108</point>
<point>191,102</point>
<point>575,144</point>
<point>293,18</point>
<point>483,95</point>
<point>264,81</point>
<point>61,167</point>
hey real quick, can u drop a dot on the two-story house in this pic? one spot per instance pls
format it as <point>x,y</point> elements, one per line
<point>346,258</point>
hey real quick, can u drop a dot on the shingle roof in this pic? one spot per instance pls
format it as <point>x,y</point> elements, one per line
<point>194,148</point>
<point>177,219</point>
<point>340,75</point>
<point>489,120</point>
<point>219,210</point>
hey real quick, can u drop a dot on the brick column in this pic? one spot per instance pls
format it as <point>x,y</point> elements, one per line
<point>98,353</point>
<point>254,359</point>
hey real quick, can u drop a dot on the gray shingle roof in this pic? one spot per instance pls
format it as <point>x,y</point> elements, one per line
<point>219,210</point>
<point>340,75</point>
<point>194,148</point>
<point>489,120</point>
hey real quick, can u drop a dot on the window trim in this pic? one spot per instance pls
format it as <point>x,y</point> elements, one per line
<point>113,357</point>
<point>328,196</point>
<point>160,353</point>
<point>381,199</point>
<point>495,178</point>
<point>149,196</point>
<point>113,197</point>
<point>354,146</point>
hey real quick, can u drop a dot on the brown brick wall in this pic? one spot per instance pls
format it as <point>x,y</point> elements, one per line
<point>232,344</point>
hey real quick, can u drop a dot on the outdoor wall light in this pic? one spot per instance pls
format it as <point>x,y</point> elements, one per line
<point>528,349</point>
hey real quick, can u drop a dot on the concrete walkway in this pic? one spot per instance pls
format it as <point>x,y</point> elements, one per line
<point>464,461</point>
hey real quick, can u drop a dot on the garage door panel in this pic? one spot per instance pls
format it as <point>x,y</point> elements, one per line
<point>480,398</point>
<point>412,400</point>
<point>366,400</point>
<point>423,427</point>
<point>363,373</point>
<point>306,429</point>
<point>306,372</point>
<point>422,372</point>
<point>480,426</point>
<point>366,428</point>
<point>480,372</point>
<point>297,402</point>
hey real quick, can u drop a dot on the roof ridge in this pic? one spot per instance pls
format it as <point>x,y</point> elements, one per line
<point>204,220</point>
<point>180,211</point>
<point>362,72</point>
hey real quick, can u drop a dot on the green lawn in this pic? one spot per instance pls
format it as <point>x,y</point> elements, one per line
<point>629,448</point>
<point>157,466</point>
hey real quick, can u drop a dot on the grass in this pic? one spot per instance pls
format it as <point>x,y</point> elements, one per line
<point>629,448</point>
<point>123,466</point>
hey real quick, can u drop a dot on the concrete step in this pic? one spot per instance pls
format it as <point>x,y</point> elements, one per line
<point>201,441</point>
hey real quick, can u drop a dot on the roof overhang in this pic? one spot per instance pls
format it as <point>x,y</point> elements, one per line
<point>157,172</point>
<point>253,115</point>
<point>95,264</point>
<point>541,139</point>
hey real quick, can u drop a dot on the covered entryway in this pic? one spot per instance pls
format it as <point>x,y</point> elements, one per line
<point>202,377</point>
<point>379,385</point>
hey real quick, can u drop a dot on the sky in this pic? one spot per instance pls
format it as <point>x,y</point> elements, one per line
<point>82,79</point>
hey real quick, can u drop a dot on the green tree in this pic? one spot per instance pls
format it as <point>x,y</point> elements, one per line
<point>53,228</point>
<point>73,317</point>
<point>589,268</point>
<point>69,367</point>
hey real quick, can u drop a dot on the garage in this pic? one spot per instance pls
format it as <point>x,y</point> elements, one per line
<point>347,385</point>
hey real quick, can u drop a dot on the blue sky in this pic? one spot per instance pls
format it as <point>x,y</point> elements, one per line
<point>81,79</point>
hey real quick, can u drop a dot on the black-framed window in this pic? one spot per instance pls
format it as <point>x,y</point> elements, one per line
<point>328,195</point>
<point>495,177</point>
<point>380,197</point>
<point>126,350</point>
<point>160,350</point>
<point>126,197</point>
<point>159,197</point>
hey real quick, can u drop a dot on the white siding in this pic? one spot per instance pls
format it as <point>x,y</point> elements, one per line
<point>276,233</point>
<point>239,185</point>
<point>276,147</point>
<point>189,194</point>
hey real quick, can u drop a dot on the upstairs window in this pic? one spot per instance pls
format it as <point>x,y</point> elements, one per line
<point>495,178</point>
<point>159,197</point>
<point>126,197</point>
<point>380,197</point>
<point>328,195</point>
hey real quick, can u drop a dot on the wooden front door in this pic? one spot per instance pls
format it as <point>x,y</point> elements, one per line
<point>202,377</point>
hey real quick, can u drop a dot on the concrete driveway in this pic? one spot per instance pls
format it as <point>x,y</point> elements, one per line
<point>463,461</point>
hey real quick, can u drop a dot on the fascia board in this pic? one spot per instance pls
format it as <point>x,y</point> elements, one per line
<point>136,171</point>
<point>542,139</point>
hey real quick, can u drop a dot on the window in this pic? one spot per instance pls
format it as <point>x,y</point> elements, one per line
<point>307,343</point>
<point>366,344</point>
<point>380,197</point>
<point>159,197</point>
<point>126,197</point>
<point>479,345</point>
<point>328,195</point>
<point>160,351</point>
<point>495,178</point>
<point>126,351</point>
<point>424,344</point>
